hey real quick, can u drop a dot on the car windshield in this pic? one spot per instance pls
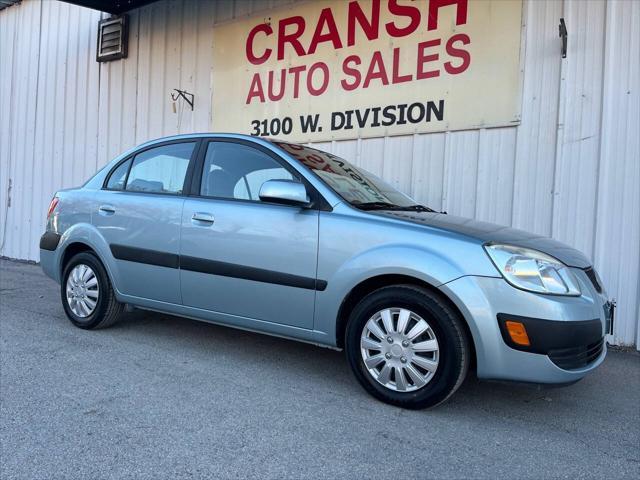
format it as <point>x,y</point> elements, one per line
<point>358,187</point>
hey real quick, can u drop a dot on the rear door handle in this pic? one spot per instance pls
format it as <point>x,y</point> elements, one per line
<point>202,217</point>
<point>106,209</point>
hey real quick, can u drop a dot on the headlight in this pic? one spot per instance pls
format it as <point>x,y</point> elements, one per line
<point>532,270</point>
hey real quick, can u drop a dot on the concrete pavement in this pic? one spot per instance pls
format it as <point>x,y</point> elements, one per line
<point>157,396</point>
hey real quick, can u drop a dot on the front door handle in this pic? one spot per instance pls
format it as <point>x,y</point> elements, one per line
<point>202,217</point>
<point>106,209</point>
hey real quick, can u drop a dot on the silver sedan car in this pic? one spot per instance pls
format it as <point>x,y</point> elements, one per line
<point>287,240</point>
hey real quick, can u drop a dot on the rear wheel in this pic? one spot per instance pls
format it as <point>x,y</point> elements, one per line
<point>407,347</point>
<point>87,295</point>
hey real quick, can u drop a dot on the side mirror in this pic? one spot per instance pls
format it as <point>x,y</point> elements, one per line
<point>287,192</point>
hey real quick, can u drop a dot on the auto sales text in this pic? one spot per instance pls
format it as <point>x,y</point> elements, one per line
<point>430,58</point>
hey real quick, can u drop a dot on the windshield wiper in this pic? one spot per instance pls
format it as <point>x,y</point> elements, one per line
<point>392,206</point>
<point>376,206</point>
<point>418,208</point>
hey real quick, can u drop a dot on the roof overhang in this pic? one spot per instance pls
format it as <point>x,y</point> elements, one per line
<point>115,7</point>
<point>7,3</point>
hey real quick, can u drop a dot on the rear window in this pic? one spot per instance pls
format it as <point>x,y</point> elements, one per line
<point>160,170</point>
<point>119,176</point>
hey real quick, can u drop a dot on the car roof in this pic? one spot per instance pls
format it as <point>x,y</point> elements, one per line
<point>187,136</point>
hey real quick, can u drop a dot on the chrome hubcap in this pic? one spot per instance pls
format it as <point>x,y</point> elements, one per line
<point>82,290</point>
<point>399,349</point>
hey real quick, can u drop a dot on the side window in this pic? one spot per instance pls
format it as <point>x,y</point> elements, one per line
<point>118,176</point>
<point>161,169</point>
<point>248,187</point>
<point>237,171</point>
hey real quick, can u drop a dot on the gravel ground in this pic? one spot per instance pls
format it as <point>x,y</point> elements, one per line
<point>157,396</point>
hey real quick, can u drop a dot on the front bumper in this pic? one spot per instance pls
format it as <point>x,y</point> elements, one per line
<point>569,345</point>
<point>567,332</point>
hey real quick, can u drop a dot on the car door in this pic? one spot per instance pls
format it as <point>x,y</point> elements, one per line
<point>139,213</point>
<point>241,256</point>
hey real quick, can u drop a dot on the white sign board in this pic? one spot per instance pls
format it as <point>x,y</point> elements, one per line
<point>342,69</point>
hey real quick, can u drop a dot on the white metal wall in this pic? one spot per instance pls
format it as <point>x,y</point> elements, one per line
<point>571,170</point>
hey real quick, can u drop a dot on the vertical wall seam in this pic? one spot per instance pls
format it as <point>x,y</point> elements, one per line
<point>107,112</point>
<point>481,135</point>
<point>12,100</point>
<point>165,16</point>
<point>87,95</point>
<point>135,114</point>
<point>605,39</point>
<point>97,138</point>
<point>414,137</point>
<point>526,13</point>
<point>75,102</point>
<point>559,131</point>
<point>445,173</point>
<point>64,103</point>
<point>152,11</point>
<point>123,92</point>
<point>37,95</point>
<point>180,71</point>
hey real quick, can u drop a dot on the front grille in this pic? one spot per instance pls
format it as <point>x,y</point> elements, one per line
<point>577,357</point>
<point>591,273</point>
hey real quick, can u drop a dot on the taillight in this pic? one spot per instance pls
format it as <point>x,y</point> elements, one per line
<point>52,206</point>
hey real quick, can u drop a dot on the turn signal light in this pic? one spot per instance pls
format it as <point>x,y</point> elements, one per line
<point>518,333</point>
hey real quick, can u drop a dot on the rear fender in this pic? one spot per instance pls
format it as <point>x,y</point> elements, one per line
<point>89,235</point>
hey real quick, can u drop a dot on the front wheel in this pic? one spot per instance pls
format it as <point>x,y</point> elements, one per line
<point>407,347</point>
<point>87,295</point>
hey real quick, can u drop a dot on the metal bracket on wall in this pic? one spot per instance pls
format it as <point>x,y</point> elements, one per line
<point>562,29</point>
<point>188,97</point>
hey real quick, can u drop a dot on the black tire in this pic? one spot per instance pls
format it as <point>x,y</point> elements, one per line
<point>446,324</point>
<point>107,309</point>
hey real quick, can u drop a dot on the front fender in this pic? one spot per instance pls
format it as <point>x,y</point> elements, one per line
<point>427,265</point>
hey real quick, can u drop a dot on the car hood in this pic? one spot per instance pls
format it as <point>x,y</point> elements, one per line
<point>490,232</point>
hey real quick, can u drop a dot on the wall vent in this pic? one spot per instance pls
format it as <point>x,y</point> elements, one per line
<point>112,39</point>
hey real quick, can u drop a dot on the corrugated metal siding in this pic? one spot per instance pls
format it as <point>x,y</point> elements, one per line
<point>570,170</point>
<point>536,136</point>
<point>617,230</point>
<point>579,124</point>
<point>19,84</point>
